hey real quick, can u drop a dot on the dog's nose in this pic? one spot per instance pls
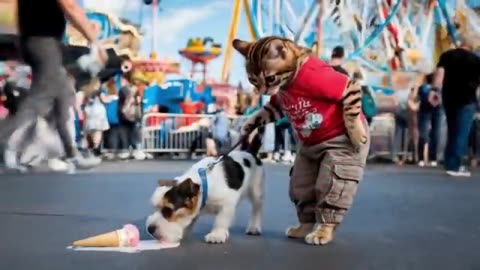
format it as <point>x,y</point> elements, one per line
<point>151,229</point>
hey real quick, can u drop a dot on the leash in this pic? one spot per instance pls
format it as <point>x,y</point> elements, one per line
<point>242,138</point>
<point>202,172</point>
<point>212,164</point>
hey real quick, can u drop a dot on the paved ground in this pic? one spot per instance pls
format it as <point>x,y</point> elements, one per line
<point>402,219</point>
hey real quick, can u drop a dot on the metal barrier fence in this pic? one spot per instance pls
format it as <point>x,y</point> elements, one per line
<point>180,133</point>
<point>184,133</point>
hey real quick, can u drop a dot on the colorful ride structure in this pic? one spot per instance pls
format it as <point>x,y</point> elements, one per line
<point>186,95</point>
<point>380,36</point>
<point>201,52</point>
<point>124,39</point>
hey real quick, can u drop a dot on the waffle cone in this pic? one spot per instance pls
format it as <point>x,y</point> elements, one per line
<point>110,239</point>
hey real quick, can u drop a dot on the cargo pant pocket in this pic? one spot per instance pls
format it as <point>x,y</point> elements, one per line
<point>345,178</point>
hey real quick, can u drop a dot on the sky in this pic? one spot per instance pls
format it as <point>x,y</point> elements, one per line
<point>177,21</point>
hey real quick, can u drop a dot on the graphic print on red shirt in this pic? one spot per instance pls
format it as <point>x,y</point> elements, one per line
<point>313,102</point>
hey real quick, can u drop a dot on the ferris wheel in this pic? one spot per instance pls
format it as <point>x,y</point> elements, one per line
<point>380,35</point>
<point>356,25</point>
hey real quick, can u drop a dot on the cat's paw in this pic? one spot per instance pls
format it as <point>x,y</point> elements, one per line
<point>322,235</point>
<point>299,231</point>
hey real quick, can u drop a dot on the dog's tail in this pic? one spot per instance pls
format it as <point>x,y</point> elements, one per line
<point>253,146</point>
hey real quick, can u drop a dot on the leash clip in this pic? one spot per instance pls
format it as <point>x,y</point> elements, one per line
<point>212,164</point>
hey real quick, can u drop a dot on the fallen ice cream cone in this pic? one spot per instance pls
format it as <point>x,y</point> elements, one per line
<point>128,236</point>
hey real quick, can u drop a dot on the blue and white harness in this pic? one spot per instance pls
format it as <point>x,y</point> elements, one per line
<point>202,172</point>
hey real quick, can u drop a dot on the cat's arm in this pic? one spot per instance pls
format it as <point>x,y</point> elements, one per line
<point>352,108</point>
<point>269,113</point>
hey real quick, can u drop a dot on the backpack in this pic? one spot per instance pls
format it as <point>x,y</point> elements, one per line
<point>369,107</point>
<point>130,110</point>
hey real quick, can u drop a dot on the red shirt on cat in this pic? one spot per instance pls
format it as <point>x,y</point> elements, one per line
<point>313,103</point>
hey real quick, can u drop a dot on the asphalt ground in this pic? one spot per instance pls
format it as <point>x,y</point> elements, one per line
<point>402,218</point>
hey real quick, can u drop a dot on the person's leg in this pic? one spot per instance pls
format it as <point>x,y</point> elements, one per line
<point>465,116</point>
<point>436,122</point>
<point>278,142</point>
<point>22,138</point>
<point>413,134</point>
<point>474,139</point>
<point>424,117</point>
<point>111,141</point>
<point>449,157</point>
<point>61,118</point>
<point>123,147</point>
<point>400,125</point>
<point>96,142</point>
<point>132,135</point>
<point>44,57</point>
<point>73,158</point>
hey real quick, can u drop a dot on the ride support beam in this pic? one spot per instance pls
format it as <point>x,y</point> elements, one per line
<point>232,33</point>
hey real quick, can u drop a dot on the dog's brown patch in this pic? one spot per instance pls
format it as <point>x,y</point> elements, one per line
<point>180,201</point>
<point>166,183</point>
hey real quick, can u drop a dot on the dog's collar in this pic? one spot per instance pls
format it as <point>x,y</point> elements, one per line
<point>203,177</point>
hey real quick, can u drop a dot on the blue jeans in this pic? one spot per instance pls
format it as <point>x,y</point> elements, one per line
<point>429,134</point>
<point>399,136</point>
<point>459,123</point>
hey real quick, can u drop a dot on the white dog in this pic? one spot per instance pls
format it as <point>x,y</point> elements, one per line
<point>215,190</point>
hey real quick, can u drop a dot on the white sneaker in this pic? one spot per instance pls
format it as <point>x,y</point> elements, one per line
<point>124,155</point>
<point>11,161</point>
<point>276,156</point>
<point>287,157</point>
<point>433,164</point>
<point>421,163</point>
<point>58,165</point>
<point>109,156</point>
<point>83,163</point>
<point>462,172</point>
<point>138,155</point>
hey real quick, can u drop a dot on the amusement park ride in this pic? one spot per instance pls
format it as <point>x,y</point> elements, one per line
<point>389,40</point>
<point>381,36</point>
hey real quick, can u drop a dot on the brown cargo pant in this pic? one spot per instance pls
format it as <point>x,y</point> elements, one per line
<point>324,179</point>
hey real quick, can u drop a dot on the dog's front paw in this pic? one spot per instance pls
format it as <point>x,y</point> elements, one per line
<point>217,236</point>
<point>252,230</point>
<point>322,235</point>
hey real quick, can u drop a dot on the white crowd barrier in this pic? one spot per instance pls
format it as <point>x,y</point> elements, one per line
<point>179,133</point>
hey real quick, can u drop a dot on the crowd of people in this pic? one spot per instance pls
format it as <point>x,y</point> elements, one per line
<point>104,122</point>
<point>447,97</point>
<point>102,118</point>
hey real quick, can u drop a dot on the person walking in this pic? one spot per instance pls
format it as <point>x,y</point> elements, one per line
<point>455,84</point>
<point>40,36</point>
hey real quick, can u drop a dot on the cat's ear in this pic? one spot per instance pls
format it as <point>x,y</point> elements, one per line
<point>242,47</point>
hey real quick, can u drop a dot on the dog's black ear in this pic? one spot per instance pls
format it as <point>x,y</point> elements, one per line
<point>188,188</point>
<point>167,183</point>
